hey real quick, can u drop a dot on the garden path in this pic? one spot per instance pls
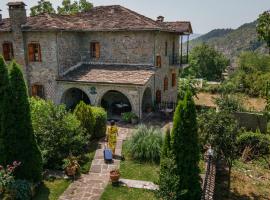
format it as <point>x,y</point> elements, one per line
<point>91,186</point>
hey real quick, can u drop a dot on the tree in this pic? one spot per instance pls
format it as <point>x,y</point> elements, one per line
<point>263,28</point>
<point>220,130</point>
<point>20,142</point>
<point>4,105</point>
<point>57,131</point>
<point>168,178</point>
<point>42,7</point>
<point>207,63</point>
<point>75,7</point>
<point>85,115</point>
<point>185,149</point>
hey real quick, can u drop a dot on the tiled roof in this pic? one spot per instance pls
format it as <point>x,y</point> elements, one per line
<point>102,18</point>
<point>110,74</point>
<point>181,27</point>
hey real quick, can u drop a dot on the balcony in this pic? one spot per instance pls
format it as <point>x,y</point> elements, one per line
<point>178,60</point>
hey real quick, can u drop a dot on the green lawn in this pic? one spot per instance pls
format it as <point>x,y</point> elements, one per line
<point>87,159</point>
<point>131,169</point>
<point>51,190</point>
<point>125,193</point>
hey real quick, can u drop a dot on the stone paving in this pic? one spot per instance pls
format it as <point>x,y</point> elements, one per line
<point>91,186</point>
<point>138,184</point>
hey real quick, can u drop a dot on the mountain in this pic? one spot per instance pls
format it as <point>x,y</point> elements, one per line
<point>232,42</point>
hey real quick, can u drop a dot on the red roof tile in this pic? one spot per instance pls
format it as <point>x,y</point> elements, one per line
<point>110,74</point>
<point>102,18</point>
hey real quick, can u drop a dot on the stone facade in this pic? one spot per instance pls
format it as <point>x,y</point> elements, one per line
<point>62,51</point>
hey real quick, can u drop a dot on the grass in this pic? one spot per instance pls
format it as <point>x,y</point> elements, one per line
<point>87,159</point>
<point>248,181</point>
<point>124,193</point>
<point>131,169</point>
<point>51,190</point>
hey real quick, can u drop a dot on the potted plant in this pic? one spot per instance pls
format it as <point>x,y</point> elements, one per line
<point>71,165</point>
<point>114,175</point>
<point>134,119</point>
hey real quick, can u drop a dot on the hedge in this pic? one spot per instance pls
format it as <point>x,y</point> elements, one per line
<point>100,116</point>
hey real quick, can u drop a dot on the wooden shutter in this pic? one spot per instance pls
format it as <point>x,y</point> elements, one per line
<point>158,96</point>
<point>31,52</point>
<point>173,79</point>
<point>39,52</point>
<point>97,47</point>
<point>34,90</point>
<point>6,51</point>
<point>158,61</point>
<point>165,83</point>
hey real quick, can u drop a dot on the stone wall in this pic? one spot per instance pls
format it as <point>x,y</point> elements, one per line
<point>133,93</point>
<point>46,71</point>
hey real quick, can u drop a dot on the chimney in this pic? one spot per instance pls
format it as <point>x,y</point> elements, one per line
<point>17,13</point>
<point>160,19</point>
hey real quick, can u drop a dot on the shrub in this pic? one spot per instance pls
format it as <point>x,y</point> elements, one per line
<point>230,103</point>
<point>84,113</point>
<point>21,189</point>
<point>100,116</point>
<point>258,143</point>
<point>58,132</point>
<point>126,117</point>
<point>145,144</point>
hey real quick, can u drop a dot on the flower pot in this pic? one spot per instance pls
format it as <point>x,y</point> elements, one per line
<point>114,176</point>
<point>71,171</point>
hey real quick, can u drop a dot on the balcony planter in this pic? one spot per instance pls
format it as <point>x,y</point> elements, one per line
<point>114,176</point>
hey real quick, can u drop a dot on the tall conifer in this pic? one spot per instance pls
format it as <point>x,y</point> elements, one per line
<point>185,149</point>
<point>20,142</point>
<point>4,89</point>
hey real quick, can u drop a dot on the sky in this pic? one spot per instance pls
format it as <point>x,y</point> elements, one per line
<point>205,15</point>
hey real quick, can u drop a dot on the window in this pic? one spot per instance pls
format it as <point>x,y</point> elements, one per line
<point>34,53</point>
<point>166,83</point>
<point>158,61</point>
<point>166,48</point>
<point>8,51</point>
<point>173,79</point>
<point>38,91</point>
<point>158,96</point>
<point>95,49</point>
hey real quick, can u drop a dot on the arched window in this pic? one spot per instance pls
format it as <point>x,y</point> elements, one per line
<point>166,83</point>
<point>158,96</point>
<point>38,91</point>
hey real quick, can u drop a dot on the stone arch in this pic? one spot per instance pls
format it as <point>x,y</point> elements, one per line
<point>72,96</point>
<point>147,100</point>
<point>115,103</point>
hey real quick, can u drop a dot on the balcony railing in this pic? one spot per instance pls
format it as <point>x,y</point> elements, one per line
<point>178,60</point>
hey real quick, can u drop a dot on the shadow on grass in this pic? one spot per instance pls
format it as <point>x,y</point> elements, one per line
<point>87,158</point>
<point>221,188</point>
<point>42,193</point>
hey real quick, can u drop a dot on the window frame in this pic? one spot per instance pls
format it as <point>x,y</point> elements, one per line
<point>39,91</point>
<point>8,53</point>
<point>166,48</point>
<point>95,50</point>
<point>165,84</point>
<point>174,79</point>
<point>34,52</point>
<point>158,61</point>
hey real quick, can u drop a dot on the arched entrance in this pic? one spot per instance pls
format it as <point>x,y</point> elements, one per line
<point>115,103</point>
<point>147,101</point>
<point>73,96</point>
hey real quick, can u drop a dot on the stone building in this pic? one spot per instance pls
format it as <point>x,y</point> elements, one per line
<point>109,56</point>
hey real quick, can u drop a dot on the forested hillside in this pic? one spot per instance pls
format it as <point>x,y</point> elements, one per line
<point>232,41</point>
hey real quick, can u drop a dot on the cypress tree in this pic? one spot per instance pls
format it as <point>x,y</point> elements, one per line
<point>166,147</point>
<point>186,149</point>
<point>4,89</point>
<point>20,141</point>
